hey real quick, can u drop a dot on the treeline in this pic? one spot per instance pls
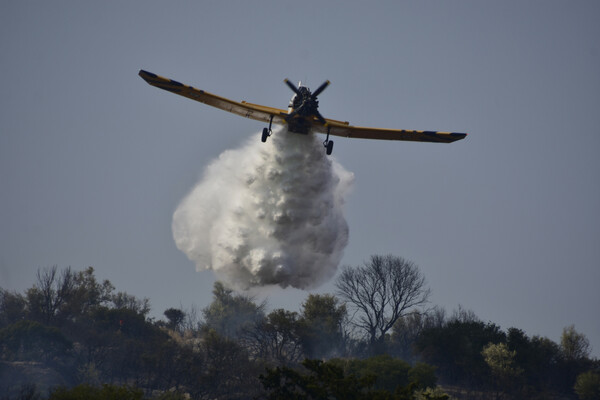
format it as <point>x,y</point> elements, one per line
<point>70,336</point>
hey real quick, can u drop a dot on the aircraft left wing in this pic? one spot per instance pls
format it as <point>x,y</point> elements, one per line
<point>244,109</point>
<point>344,129</point>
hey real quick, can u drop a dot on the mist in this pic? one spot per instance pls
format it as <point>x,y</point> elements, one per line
<point>267,214</point>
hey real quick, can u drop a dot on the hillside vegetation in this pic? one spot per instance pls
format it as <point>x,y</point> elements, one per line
<point>70,336</point>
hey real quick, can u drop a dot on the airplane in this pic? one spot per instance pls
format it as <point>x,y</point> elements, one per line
<point>302,115</point>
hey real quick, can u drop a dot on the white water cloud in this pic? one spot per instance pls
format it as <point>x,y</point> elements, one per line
<point>267,214</point>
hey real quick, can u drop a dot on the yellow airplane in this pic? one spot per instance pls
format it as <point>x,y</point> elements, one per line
<point>302,115</point>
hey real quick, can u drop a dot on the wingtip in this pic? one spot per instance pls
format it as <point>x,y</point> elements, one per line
<point>146,74</point>
<point>458,136</point>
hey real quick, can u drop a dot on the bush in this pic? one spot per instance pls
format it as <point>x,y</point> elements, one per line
<point>587,386</point>
<point>30,340</point>
<point>106,392</point>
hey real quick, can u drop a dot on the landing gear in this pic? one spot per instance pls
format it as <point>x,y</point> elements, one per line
<point>267,131</point>
<point>328,143</point>
<point>329,147</point>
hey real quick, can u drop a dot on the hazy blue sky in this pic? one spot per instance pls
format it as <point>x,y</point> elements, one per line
<point>93,161</point>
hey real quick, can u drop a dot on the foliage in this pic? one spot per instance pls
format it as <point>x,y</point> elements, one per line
<point>61,296</point>
<point>87,392</point>
<point>175,318</point>
<point>71,329</point>
<point>423,375</point>
<point>230,314</point>
<point>30,340</point>
<point>455,348</point>
<point>170,396</point>
<point>431,394</point>
<point>87,293</point>
<point>539,358</point>
<point>574,345</point>
<point>391,373</point>
<point>122,300</point>
<point>501,361</point>
<point>322,326</point>
<point>276,338</point>
<point>228,372</point>
<point>12,307</point>
<point>587,385</point>
<point>407,330</point>
<point>319,380</point>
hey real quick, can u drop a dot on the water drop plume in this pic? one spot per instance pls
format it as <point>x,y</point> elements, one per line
<point>267,214</point>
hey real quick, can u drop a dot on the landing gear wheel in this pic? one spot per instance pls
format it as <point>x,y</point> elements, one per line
<point>267,131</point>
<point>329,147</point>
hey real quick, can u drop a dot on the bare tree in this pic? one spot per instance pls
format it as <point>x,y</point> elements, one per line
<point>192,323</point>
<point>50,293</point>
<point>380,292</point>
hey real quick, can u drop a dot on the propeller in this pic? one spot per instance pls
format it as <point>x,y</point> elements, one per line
<point>309,100</point>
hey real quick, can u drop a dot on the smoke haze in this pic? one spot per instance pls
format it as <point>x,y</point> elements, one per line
<point>267,214</point>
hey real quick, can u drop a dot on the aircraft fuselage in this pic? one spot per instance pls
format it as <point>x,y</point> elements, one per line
<point>302,110</point>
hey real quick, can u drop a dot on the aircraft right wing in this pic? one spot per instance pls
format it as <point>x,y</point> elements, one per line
<point>244,109</point>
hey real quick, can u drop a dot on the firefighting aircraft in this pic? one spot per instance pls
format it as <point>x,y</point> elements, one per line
<point>302,115</point>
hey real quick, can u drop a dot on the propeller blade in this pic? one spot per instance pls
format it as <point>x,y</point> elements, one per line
<point>320,89</point>
<point>296,111</point>
<point>291,85</point>
<point>320,117</point>
<point>290,115</point>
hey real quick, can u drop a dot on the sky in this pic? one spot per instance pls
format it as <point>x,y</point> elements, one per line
<point>94,161</point>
